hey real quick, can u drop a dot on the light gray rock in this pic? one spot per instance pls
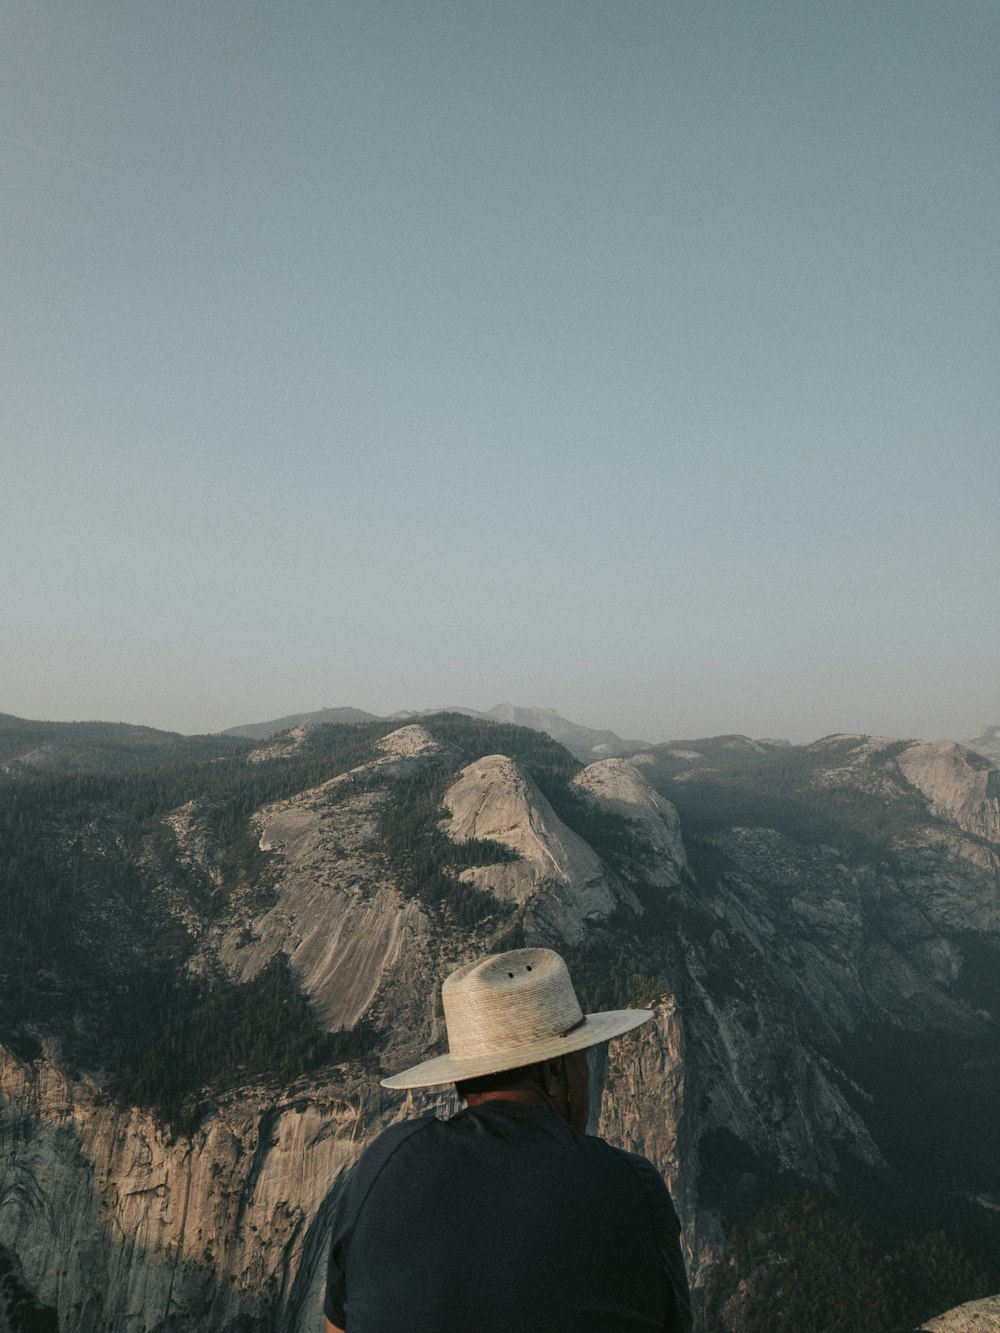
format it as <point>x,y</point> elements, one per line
<point>284,744</point>
<point>973,1317</point>
<point>619,785</point>
<point>409,742</point>
<point>339,918</point>
<point>958,785</point>
<point>557,877</point>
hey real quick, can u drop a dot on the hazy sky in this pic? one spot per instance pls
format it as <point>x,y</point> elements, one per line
<point>638,360</point>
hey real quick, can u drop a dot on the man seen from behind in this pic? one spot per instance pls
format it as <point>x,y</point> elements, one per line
<point>507,1218</point>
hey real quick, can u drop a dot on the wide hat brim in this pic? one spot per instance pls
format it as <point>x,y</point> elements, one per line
<point>592,1031</point>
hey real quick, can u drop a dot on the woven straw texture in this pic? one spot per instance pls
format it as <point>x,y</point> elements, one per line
<point>512,1009</point>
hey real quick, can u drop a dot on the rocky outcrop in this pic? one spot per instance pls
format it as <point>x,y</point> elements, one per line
<point>409,742</point>
<point>284,744</point>
<point>973,1317</point>
<point>957,784</point>
<point>815,921</point>
<point>757,1075</point>
<point>618,785</point>
<point>557,877</point>
<point>855,763</point>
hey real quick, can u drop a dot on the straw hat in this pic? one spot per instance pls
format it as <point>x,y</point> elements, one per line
<point>512,1009</point>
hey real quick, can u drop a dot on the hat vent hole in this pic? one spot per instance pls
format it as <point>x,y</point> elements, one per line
<point>511,975</point>
<point>529,967</point>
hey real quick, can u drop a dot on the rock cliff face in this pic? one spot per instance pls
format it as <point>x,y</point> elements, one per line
<point>117,1226</point>
<point>618,785</point>
<point>555,876</point>
<point>770,955</point>
<point>957,784</point>
<point>338,917</point>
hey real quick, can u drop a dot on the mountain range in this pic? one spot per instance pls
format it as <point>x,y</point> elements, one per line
<point>212,948</point>
<point>584,743</point>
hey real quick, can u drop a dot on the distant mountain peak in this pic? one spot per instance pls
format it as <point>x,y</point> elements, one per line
<point>584,743</point>
<point>261,731</point>
<point>986,743</point>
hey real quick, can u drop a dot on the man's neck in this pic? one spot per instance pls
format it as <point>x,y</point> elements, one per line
<point>528,1096</point>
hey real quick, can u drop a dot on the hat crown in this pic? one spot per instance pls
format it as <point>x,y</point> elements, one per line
<point>512,999</point>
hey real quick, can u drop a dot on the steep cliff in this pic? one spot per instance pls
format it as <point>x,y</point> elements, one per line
<point>338,916</point>
<point>618,785</point>
<point>958,785</point>
<point>119,1225</point>
<point>554,876</point>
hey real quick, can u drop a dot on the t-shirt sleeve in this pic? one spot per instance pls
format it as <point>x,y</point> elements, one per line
<point>667,1236</point>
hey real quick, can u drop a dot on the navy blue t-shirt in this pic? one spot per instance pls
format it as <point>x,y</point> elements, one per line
<point>504,1218</point>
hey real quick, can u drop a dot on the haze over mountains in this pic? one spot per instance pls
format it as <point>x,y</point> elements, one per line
<point>586,743</point>
<point>986,742</point>
<point>583,742</point>
<point>34,738</point>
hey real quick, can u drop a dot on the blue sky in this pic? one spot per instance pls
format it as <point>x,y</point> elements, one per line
<point>635,360</point>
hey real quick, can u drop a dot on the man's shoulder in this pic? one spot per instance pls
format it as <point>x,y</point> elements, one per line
<point>639,1166</point>
<point>393,1138</point>
<point>628,1161</point>
<point>358,1180</point>
<point>404,1129</point>
<point>651,1184</point>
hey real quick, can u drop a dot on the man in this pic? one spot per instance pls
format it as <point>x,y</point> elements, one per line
<point>507,1217</point>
